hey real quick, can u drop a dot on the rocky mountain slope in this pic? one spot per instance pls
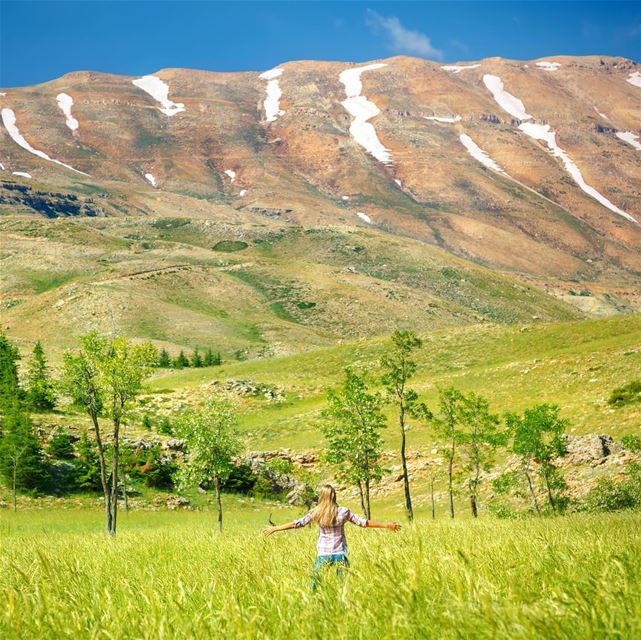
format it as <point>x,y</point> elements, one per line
<point>530,168</point>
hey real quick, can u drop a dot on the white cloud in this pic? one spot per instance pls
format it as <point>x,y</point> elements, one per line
<point>403,40</point>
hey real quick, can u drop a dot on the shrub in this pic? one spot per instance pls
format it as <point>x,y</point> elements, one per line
<point>609,495</point>
<point>61,446</point>
<point>230,246</point>
<point>170,223</point>
<point>627,394</point>
<point>632,443</point>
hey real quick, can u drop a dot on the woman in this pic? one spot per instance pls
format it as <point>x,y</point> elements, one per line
<point>331,519</point>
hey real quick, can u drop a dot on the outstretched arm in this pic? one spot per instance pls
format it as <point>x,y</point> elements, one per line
<point>282,527</point>
<point>392,526</point>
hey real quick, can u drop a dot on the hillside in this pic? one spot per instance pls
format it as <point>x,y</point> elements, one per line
<point>401,193</point>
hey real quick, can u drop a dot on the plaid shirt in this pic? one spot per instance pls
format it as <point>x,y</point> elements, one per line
<point>332,540</point>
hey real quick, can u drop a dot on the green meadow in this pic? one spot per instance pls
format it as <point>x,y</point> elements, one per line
<point>171,575</point>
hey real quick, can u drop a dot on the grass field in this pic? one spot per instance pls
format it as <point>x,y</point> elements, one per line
<point>573,364</point>
<point>169,575</point>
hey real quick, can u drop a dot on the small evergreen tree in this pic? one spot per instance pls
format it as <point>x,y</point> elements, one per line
<point>40,392</point>
<point>181,361</point>
<point>10,390</point>
<point>165,427</point>
<point>164,361</point>
<point>21,459</point>
<point>87,464</point>
<point>208,358</point>
<point>146,422</point>
<point>61,446</point>
<point>196,359</point>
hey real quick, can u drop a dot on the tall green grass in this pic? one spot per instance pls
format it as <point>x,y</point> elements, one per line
<point>170,575</point>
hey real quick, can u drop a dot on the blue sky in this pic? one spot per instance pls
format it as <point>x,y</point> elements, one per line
<point>40,41</point>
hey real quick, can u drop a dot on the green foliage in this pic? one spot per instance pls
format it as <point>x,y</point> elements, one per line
<point>21,457</point>
<point>398,367</point>
<point>196,359</point>
<point>632,442</point>
<point>164,360</point>
<point>627,394</point>
<point>479,438</point>
<point>146,422</point>
<point>537,438</point>
<point>230,246</point>
<point>40,390</point>
<point>610,495</point>
<point>10,390</point>
<point>212,359</point>
<point>211,440</point>
<point>165,427</point>
<point>170,223</point>
<point>241,479</point>
<point>181,361</point>
<point>87,465</point>
<point>61,446</point>
<point>159,470</point>
<point>354,420</point>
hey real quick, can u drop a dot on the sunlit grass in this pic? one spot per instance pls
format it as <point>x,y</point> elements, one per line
<point>170,575</point>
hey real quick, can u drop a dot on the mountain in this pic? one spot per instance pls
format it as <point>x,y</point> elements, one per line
<point>278,210</point>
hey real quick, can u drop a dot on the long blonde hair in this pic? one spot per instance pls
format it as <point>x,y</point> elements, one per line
<point>327,508</point>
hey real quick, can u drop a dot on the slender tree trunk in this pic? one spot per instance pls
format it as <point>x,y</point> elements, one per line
<point>219,504</point>
<point>406,478</point>
<point>432,496</point>
<point>450,477</point>
<point>473,505</point>
<point>362,496</point>
<point>532,492</point>
<point>124,491</point>
<point>368,510</point>
<point>473,489</point>
<point>103,472</point>
<point>549,490</point>
<point>15,478</point>
<point>114,477</point>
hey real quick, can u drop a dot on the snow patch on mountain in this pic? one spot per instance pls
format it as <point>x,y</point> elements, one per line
<point>448,119</point>
<point>630,138</point>
<point>602,114</point>
<point>362,110</point>
<point>364,217</point>
<point>505,100</point>
<point>9,121</point>
<point>231,173</point>
<point>457,68</point>
<point>243,192</point>
<point>544,132</point>
<point>344,197</point>
<point>548,66</point>
<point>635,79</point>
<point>274,93</point>
<point>476,152</point>
<point>159,91</point>
<point>22,174</point>
<point>1,167</point>
<point>151,179</point>
<point>65,102</point>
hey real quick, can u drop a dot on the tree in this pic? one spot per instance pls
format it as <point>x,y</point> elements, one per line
<point>103,378</point>
<point>447,426</point>
<point>196,359</point>
<point>87,464</point>
<point>21,460</point>
<point>479,438</point>
<point>211,359</point>
<point>10,390</point>
<point>164,360</point>
<point>537,438</point>
<point>398,369</point>
<point>353,434</point>
<point>61,446</point>
<point>212,443</point>
<point>40,391</point>
<point>181,361</point>
<point>165,427</point>
<point>146,422</point>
